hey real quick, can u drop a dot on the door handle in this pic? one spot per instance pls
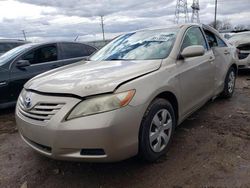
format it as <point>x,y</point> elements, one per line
<point>226,52</point>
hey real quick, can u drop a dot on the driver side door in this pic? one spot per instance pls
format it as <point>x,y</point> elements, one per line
<point>197,73</point>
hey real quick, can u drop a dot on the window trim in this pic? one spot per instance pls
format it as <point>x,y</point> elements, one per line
<point>32,49</point>
<point>60,46</point>
<point>218,37</point>
<point>39,48</point>
<point>183,37</point>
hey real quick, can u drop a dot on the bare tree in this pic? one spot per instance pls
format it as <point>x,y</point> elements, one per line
<point>240,27</point>
<point>222,25</point>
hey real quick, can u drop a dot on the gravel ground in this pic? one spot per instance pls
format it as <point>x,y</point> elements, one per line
<point>210,149</point>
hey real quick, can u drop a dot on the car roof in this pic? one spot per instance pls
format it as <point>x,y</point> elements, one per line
<point>56,42</point>
<point>178,26</point>
<point>12,41</point>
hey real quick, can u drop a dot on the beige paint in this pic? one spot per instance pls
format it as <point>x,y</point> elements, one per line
<point>193,81</point>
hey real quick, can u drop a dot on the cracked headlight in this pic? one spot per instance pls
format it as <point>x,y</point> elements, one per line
<point>102,103</point>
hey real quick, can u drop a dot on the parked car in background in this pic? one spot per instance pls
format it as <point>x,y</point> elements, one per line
<point>8,44</point>
<point>129,97</point>
<point>24,62</point>
<point>242,42</point>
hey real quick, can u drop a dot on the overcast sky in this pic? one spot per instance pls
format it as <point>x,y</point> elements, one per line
<point>66,19</point>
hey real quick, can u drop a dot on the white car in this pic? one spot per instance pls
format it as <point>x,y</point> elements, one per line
<point>242,42</point>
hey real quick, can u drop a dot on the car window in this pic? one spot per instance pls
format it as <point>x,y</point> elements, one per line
<point>41,55</point>
<point>13,53</point>
<point>211,38</point>
<point>74,50</point>
<point>4,47</point>
<point>90,49</point>
<point>194,36</point>
<point>220,42</point>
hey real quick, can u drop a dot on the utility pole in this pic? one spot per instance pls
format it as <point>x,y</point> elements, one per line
<point>76,38</point>
<point>181,11</point>
<point>215,15</point>
<point>195,15</point>
<point>102,24</point>
<point>24,35</point>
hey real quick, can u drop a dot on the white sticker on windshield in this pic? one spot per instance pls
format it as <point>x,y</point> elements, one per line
<point>161,38</point>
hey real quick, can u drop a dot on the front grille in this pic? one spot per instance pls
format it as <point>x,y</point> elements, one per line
<point>41,111</point>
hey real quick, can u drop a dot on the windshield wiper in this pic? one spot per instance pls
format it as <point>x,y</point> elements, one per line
<point>114,59</point>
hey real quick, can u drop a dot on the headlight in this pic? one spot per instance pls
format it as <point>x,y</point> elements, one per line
<point>101,104</point>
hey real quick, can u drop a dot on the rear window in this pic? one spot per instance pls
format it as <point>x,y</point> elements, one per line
<point>74,50</point>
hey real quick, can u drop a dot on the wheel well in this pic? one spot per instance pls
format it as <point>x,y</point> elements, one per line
<point>235,68</point>
<point>172,99</point>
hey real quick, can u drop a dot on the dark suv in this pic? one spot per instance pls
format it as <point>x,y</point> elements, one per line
<point>24,62</point>
<point>8,44</point>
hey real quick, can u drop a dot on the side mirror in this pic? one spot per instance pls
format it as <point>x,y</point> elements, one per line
<point>22,63</point>
<point>193,51</point>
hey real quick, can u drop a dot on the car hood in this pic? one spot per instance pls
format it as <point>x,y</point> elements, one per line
<point>239,42</point>
<point>90,78</point>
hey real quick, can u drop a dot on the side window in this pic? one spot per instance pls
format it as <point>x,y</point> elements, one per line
<point>30,56</point>
<point>220,42</point>
<point>194,36</point>
<point>4,47</point>
<point>74,50</point>
<point>41,55</point>
<point>90,49</point>
<point>211,38</point>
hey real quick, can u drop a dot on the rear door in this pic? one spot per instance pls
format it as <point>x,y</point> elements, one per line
<point>41,59</point>
<point>223,56</point>
<point>196,73</point>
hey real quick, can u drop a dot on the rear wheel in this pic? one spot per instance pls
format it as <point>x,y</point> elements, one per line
<point>157,130</point>
<point>229,83</point>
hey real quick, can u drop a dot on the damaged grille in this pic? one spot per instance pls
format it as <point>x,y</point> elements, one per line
<point>41,111</point>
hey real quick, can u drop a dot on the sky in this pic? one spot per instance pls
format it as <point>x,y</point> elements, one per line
<point>67,19</point>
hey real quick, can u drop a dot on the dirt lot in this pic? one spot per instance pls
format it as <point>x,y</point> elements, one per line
<point>210,149</point>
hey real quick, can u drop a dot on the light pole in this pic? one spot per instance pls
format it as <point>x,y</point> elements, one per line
<point>102,24</point>
<point>215,15</point>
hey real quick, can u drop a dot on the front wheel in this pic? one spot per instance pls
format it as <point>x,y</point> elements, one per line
<point>157,130</point>
<point>229,83</point>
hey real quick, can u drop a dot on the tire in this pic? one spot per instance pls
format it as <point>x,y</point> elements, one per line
<point>153,147</point>
<point>229,83</point>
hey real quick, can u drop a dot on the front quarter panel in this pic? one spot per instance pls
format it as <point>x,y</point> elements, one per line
<point>151,85</point>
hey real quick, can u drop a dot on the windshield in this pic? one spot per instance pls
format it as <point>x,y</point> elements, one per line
<point>140,45</point>
<point>13,53</point>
